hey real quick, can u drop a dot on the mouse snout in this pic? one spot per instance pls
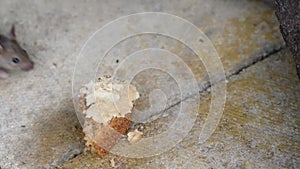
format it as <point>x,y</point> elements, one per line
<point>27,66</point>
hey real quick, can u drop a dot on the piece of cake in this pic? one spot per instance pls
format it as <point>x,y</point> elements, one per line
<point>106,106</point>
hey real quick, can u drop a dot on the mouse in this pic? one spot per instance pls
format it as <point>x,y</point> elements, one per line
<point>12,55</point>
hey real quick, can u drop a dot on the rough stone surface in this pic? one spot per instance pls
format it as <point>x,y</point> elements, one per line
<point>259,127</point>
<point>38,125</point>
<point>288,13</point>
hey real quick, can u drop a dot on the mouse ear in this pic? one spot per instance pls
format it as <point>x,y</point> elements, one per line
<point>12,33</point>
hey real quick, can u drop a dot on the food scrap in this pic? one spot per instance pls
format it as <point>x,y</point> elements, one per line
<point>106,106</point>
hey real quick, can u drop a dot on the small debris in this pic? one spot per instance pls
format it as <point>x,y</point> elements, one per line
<point>112,163</point>
<point>134,136</point>
<point>140,127</point>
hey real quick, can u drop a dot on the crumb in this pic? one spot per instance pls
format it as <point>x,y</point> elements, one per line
<point>112,163</point>
<point>120,124</point>
<point>134,136</point>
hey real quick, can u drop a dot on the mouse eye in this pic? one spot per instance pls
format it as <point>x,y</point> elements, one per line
<point>16,60</point>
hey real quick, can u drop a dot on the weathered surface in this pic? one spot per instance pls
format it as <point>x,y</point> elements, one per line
<point>259,128</point>
<point>38,126</point>
<point>288,13</point>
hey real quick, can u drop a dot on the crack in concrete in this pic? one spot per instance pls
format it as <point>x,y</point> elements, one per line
<point>71,154</point>
<point>237,72</point>
<point>257,60</point>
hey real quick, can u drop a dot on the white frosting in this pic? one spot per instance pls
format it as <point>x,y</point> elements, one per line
<point>106,99</point>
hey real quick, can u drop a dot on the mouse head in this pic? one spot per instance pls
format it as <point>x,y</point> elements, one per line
<point>12,55</point>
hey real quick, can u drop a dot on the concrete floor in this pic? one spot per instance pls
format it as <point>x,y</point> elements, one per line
<point>259,127</point>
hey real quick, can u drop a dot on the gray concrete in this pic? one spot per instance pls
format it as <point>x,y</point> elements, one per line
<point>259,126</point>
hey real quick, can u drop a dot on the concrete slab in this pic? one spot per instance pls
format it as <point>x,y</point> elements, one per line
<point>38,126</point>
<point>259,127</point>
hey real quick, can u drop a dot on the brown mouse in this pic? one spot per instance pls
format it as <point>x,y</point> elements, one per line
<point>12,55</point>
